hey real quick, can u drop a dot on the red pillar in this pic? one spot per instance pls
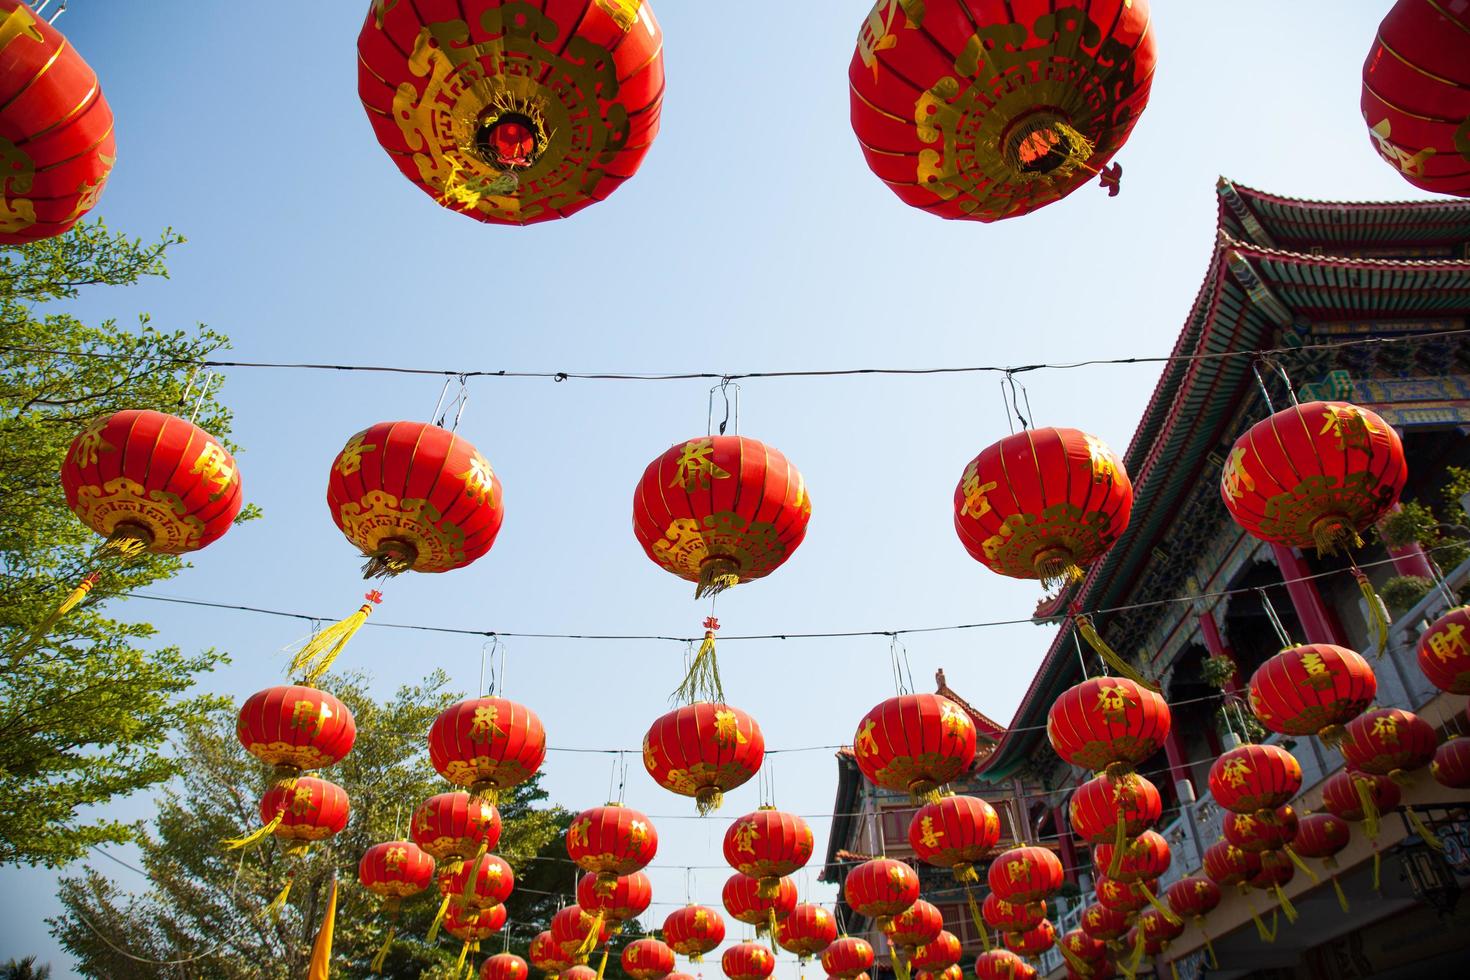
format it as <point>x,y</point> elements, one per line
<point>1318,621</point>
<point>1174,752</point>
<point>1215,643</point>
<point>1064,842</point>
<point>1411,558</point>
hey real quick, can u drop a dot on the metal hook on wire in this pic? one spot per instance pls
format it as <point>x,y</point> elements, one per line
<point>1274,618</point>
<point>1271,363</point>
<point>726,383</point>
<point>1008,386</point>
<point>898,659</point>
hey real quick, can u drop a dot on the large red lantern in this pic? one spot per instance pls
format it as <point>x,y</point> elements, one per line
<point>748,961</point>
<point>1042,504</point>
<point>1416,95</point>
<point>1123,896</point>
<point>694,930</point>
<point>743,901</point>
<point>1444,651</point>
<point>455,826</point>
<point>848,958</point>
<point>914,743</point>
<point>648,959</point>
<point>546,956</point>
<point>487,744</point>
<point>1025,874</point>
<point>1451,765</point>
<point>937,955</point>
<point>509,115</point>
<point>1313,689</point>
<point>1227,864</point>
<point>1388,741</point>
<point>56,127</point>
<point>610,841</point>
<point>915,926</point>
<point>504,966</point>
<point>807,931</point>
<point>768,845</point>
<point>1108,809</point>
<point>955,832</point>
<point>296,728</point>
<point>1032,942</point>
<point>982,111</point>
<point>703,750</point>
<point>1356,796</point>
<point>1002,964</point>
<point>1108,723</point>
<point>578,932</point>
<point>1266,830</point>
<point>1104,923</point>
<point>1004,916</point>
<point>1315,474</point>
<point>1249,778</point>
<point>881,888</point>
<point>627,898</point>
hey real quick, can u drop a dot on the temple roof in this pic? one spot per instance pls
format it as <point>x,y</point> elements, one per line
<point>1256,294</point>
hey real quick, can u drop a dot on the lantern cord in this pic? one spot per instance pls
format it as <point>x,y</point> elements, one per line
<point>440,403</point>
<point>1377,612</point>
<point>726,383</point>
<point>1081,659</point>
<point>1274,618</point>
<point>210,377</point>
<point>898,660</point>
<point>1271,363</point>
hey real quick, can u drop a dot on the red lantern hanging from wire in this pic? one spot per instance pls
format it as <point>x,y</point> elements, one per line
<point>1108,724</point>
<point>768,845</point>
<point>939,954</point>
<point>1122,896</point>
<point>952,972</point>
<point>1249,778</point>
<point>1003,916</point>
<point>394,870</point>
<point>295,729</point>
<point>694,930</point>
<point>1444,651</point>
<point>1313,689</point>
<point>577,932</point>
<point>744,903</point>
<point>807,931</point>
<point>611,840</point>
<point>1276,872</point>
<point>1226,864</point>
<point>983,112</point>
<point>881,888</point>
<point>546,956</point>
<point>1103,923</point>
<point>848,958</point>
<point>748,961</point>
<point>1002,964</point>
<point>1034,941</point>
<point>628,898</point>
<point>452,827</point>
<point>1140,861</point>
<point>648,959</point>
<point>1266,830</point>
<point>914,743</point>
<point>513,116</point>
<point>955,832</point>
<point>1194,898</point>
<point>488,745</point>
<point>1323,835</point>
<point>299,812</point>
<point>703,750</point>
<point>1108,809</point>
<point>1360,796</point>
<point>1451,765</point>
<point>481,882</point>
<point>1159,929</point>
<point>472,926</point>
<point>504,966</point>
<point>920,923</point>
<point>1025,874</point>
<point>1388,742</point>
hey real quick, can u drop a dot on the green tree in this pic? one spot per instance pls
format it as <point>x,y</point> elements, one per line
<point>207,907</point>
<point>85,712</point>
<point>25,969</point>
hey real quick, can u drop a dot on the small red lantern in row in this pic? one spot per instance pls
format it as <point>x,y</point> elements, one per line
<point>694,930</point>
<point>393,871</point>
<point>648,959</point>
<point>848,958</point>
<point>955,832</point>
<point>1359,796</point>
<point>880,889</point>
<point>807,931</point>
<point>1025,874</point>
<point>472,926</point>
<point>455,827</point>
<point>744,903</point>
<point>489,745</point>
<point>703,750</point>
<point>296,729</point>
<point>1003,916</point>
<point>1388,741</point>
<point>1313,689</point>
<point>918,925</point>
<point>1444,651</point>
<point>628,898</point>
<point>914,743</point>
<point>504,966</point>
<point>611,840</point>
<point>1002,964</point>
<point>748,961</point>
<point>1323,835</point>
<point>1109,809</point>
<point>1251,778</point>
<point>768,845</point>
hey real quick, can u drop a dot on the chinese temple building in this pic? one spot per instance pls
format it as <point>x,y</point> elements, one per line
<point>1196,596</point>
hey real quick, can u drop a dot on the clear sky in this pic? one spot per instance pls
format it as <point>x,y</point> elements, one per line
<point>754,238</point>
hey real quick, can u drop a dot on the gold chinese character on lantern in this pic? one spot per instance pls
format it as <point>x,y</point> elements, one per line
<point>214,464</point>
<point>1386,727</point>
<point>90,443</point>
<point>1448,643</point>
<point>746,834</point>
<point>1236,481</point>
<point>1113,700</point>
<point>308,716</point>
<point>976,504</point>
<point>695,467</point>
<point>350,460</point>
<point>301,801</point>
<point>1019,870</point>
<point>483,726</point>
<point>577,832</point>
<point>1235,772</point>
<point>637,832</point>
<point>1101,458</point>
<point>479,480</point>
<point>727,731</point>
<point>928,835</point>
<point>395,857</point>
<point>1350,425</point>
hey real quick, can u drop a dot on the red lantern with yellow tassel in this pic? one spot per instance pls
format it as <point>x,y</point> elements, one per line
<point>694,930</point>
<point>748,961</point>
<point>914,743</point>
<point>577,932</point>
<point>1003,916</point>
<point>1108,723</point>
<point>648,959</point>
<point>983,111</point>
<point>1122,896</point>
<point>1042,504</point>
<point>807,931</point>
<point>1444,651</point>
<point>1194,898</point>
<point>472,926</point>
<point>768,845</point>
<point>1268,830</point>
<point>627,898</point>
<point>703,750</point>
<point>611,840</point>
<point>451,827</point>
<point>1249,778</point>
<point>511,116</point>
<point>1108,809</point>
<point>1416,95</point>
<point>394,870</point>
<point>1002,964</point>
<point>488,745</point>
<point>504,966</point>
<point>480,882</point>
<point>744,903</point>
<point>1103,923</point>
<point>916,925</point>
<point>547,956</point>
<point>1025,874</point>
<point>59,146</point>
<point>1355,796</point>
<point>1451,765</point>
<point>295,728</point>
<point>1034,941</point>
<point>1312,689</point>
<point>1388,741</point>
<point>1226,864</point>
<point>1276,872</point>
<point>955,832</point>
<point>1158,930</point>
<point>937,955</point>
<point>1323,835</point>
<point>880,889</point>
<point>1143,858</point>
<point>848,958</point>
<point>1084,947</point>
<point>300,812</point>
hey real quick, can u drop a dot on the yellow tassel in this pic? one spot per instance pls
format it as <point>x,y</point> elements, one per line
<point>1286,907</point>
<point>279,902</point>
<point>468,893</point>
<point>316,656</point>
<point>1163,909</point>
<point>464,952</point>
<point>1210,949</point>
<point>900,967</point>
<point>1077,965</point>
<point>1094,640</point>
<point>1341,897</point>
<point>771,931</point>
<point>1301,865</point>
<point>1137,956</point>
<point>1266,935</point>
<point>382,955</point>
<point>126,542</point>
<point>966,874</point>
<point>1174,969</point>
<point>438,919</point>
<point>708,799</point>
<point>1422,829</point>
<point>715,576</point>
<point>602,964</point>
<point>594,935</point>
<point>702,683</point>
<point>235,843</point>
<point>1369,807</point>
<point>1275,927</point>
<point>978,918</point>
<point>1119,839</point>
<point>1377,869</point>
<point>1377,618</point>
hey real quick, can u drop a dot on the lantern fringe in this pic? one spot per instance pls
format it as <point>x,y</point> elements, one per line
<point>279,902</point>
<point>702,682</point>
<point>486,793</point>
<point>126,542</point>
<point>1163,909</point>
<point>1331,534</point>
<point>1055,567</point>
<point>602,964</point>
<point>1120,837</point>
<point>438,919</point>
<point>381,956</point>
<point>316,655</point>
<point>394,557</point>
<point>467,894</point>
<point>594,933</point>
<point>1109,655</point>
<point>1370,807</point>
<point>771,930</point>
<point>715,576</point>
<point>1287,909</point>
<point>1301,865</point>
<point>977,917</point>
<point>924,791</point>
<point>1075,148</point>
<point>1377,617</point>
<point>1342,900</point>
<point>1332,735</point>
<point>260,833</point>
<point>708,799</point>
<point>966,874</point>
<point>1420,828</point>
<point>901,968</point>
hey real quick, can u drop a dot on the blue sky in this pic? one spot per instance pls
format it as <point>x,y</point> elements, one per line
<point>754,238</point>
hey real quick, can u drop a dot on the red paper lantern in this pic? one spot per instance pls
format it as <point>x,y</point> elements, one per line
<point>937,955</point>
<point>1084,947</point>
<point>914,743</point>
<point>1227,864</point>
<point>848,958</point>
<point>1005,916</point>
<point>952,972</point>
<point>626,898</point>
<point>296,728</point>
<point>648,959</point>
<point>720,510</point>
<point>303,810</point>
<point>1312,689</point>
<point>1143,858</point>
<point>1107,722</point>
<point>546,956</point>
<point>478,883</point>
<point>487,744</point>
<point>694,930</point>
<point>1193,897</point>
<point>1387,741</point>
<point>610,841</point>
<point>955,832</point>
<point>1103,923</point>
<point>1107,809</point>
<point>881,888</point>
<point>471,925</point>
<point>1255,777</point>
<point>395,870</point>
<point>579,971</point>
<point>915,926</point>
<point>504,966</point>
<point>807,931</point>
<point>1158,931</point>
<point>56,125</point>
<point>744,903</point>
<point>1042,504</point>
<point>1032,942</point>
<point>1276,870</point>
<point>1416,95</point>
<point>1025,874</point>
<point>748,961</point>
<point>578,932</point>
<point>455,826</point>
<point>1451,765</point>
<point>1123,896</point>
<point>1314,474</point>
<point>1268,830</point>
<point>1321,835</point>
<point>768,845</point>
<point>1002,964</point>
<point>1355,796</point>
<point>703,750</point>
<point>509,115</point>
<point>983,111</point>
<point>1444,651</point>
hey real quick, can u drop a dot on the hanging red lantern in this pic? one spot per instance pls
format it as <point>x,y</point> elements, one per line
<point>648,959</point>
<point>296,728</point>
<point>744,903</point>
<point>1034,941</point>
<point>1143,858</point>
<point>694,930</point>
<point>1158,930</point>
<point>472,926</point>
<point>1416,95</point>
<point>1451,765</point>
<point>748,961</point>
<point>915,926</point>
<point>1444,651</point>
<point>1002,964</point>
<point>579,971</point>
<point>628,898</point>
<point>477,883</point>
<point>455,826</point>
<point>807,931</point>
<point>512,116</point>
<point>1193,897</point>
<point>848,958</point>
<point>1249,778</point>
<point>1122,896</point>
<point>1356,796</point>
<point>610,841</point>
<point>955,832</point>
<point>504,966</point>
<point>1084,947</point>
<point>394,870</point>
<point>299,811</point>
<point>1004,916</point>
<point>59,146</point>
<point>1025,874</point>
<point>1323,835</point>
<point>971,110</point>
<point>1108,723</point>
<point>1313,689</point>
<point>1276,871</point>
<point>768,845</point>
<point>1268,830</point>
<point>952,972</point>
<point>1107,809</point>
<point>914,743</point>
<point>703,750</point>
<point>546,956</point>
<point>937,955</point>
<point>578,932</point>
<point>881,888</point>
<point>1103,923</point>
<point>1388,741</point>
<point>1042,504</point>
<point>488,745</point>
<point>1227,864</point>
